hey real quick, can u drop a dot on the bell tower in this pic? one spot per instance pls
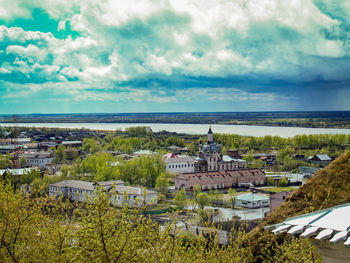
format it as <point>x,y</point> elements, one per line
<point>210,136</point>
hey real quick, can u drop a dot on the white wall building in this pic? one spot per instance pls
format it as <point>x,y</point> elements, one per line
<point>40,159</point>
<point>81,191</point>
<point>179,163</point>
<point>252,200</point>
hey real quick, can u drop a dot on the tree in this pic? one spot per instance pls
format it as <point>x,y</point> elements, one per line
<point>46,230</point>
<point>60,154</point>
<point>90,146</point>
<point>196,190</point>
<point>270,181</point>
<point>249,158</point>
<point>5,162</point>
<point>180,199</point>
<point>162,183</point>
<point>23,161</point>
<point>283,182</point>
<point>203,199</point>
<point>232,194</point>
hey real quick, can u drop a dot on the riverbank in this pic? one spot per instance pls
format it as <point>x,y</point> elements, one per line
<point>244,130</point>
<point>317,119</point>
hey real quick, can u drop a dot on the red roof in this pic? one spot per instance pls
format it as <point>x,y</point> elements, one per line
<point>169,155</point>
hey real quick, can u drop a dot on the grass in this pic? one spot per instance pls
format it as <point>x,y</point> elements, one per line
<point>277,189</point>
<point>159,206</point>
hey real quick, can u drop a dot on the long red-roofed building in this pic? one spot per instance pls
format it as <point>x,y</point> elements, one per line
<point>219,179</point>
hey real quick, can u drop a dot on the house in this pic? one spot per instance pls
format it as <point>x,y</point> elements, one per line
<point>219,179</point>
<point>14,141</point>
<point>233,154</point>
<point>18,172</point>
<point>298,157</point>
<point>72,143</point>
<point>177,150</point>
<point>179,163</point>
<point>143,152</point>
<point>53,168</point>
<point>268,158</point>
<point>327,229</point>
<point>46,145</point>
<point>252,200</point>
<point>82,191</point>
<point>9,148</point>
<point>40,159</point>
<point>308,171</point>
<point>278,198</point>
<point>321,159</point>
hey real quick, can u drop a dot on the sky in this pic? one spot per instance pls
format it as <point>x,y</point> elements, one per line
<point>101,56</point>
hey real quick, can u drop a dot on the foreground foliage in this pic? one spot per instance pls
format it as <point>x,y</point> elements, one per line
<point>47,230</point>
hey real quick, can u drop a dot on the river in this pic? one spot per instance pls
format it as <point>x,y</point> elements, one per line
<point>249,130</point>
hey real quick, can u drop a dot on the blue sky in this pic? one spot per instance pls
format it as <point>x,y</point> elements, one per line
<point>174,55</point>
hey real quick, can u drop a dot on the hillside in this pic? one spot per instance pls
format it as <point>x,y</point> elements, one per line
<point>328,187</point>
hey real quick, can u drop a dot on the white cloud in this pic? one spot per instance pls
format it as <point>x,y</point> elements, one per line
<point>126,40</point>
<point>28,51</point>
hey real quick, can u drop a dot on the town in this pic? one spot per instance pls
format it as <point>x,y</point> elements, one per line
<point>174,168</point>
<point>198,182</point>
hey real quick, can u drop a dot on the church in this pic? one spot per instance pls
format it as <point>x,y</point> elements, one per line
<point>211,159</point>
<point>213,170</point>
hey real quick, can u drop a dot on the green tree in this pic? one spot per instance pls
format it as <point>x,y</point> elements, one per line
<point>249,158</point>
<point>90,146</point>
<point>5,162</point>
<point>23,161</point>
<point>283,182</point>
<point>46,230</point>
<point>196,190</point>
<point>270,181</point>
<point>203,199</point>
<point>162,183</point>
<point>180,199</point>
<point>60,154</point>
<point>232,193</point>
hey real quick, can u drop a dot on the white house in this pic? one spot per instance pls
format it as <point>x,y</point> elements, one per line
<point>81,191</point>
<point>252,200</point>
<point>40,159</point>
<point>179,163</point>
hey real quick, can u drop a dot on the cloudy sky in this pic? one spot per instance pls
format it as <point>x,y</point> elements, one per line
<point>174,55</point>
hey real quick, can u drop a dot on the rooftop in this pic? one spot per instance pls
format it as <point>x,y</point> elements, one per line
<point>252,197</point>
<point>332,223</point>
<point>227,158</point>
<point>225,174</point>
<point>89,186</point>
<point>180,159</point>
<point>20,171</point>
<point>324,157</point>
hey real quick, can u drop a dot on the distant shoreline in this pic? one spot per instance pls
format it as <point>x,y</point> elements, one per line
<point>217,123</point>
<point>244,130</point>
<point>316,119</point>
